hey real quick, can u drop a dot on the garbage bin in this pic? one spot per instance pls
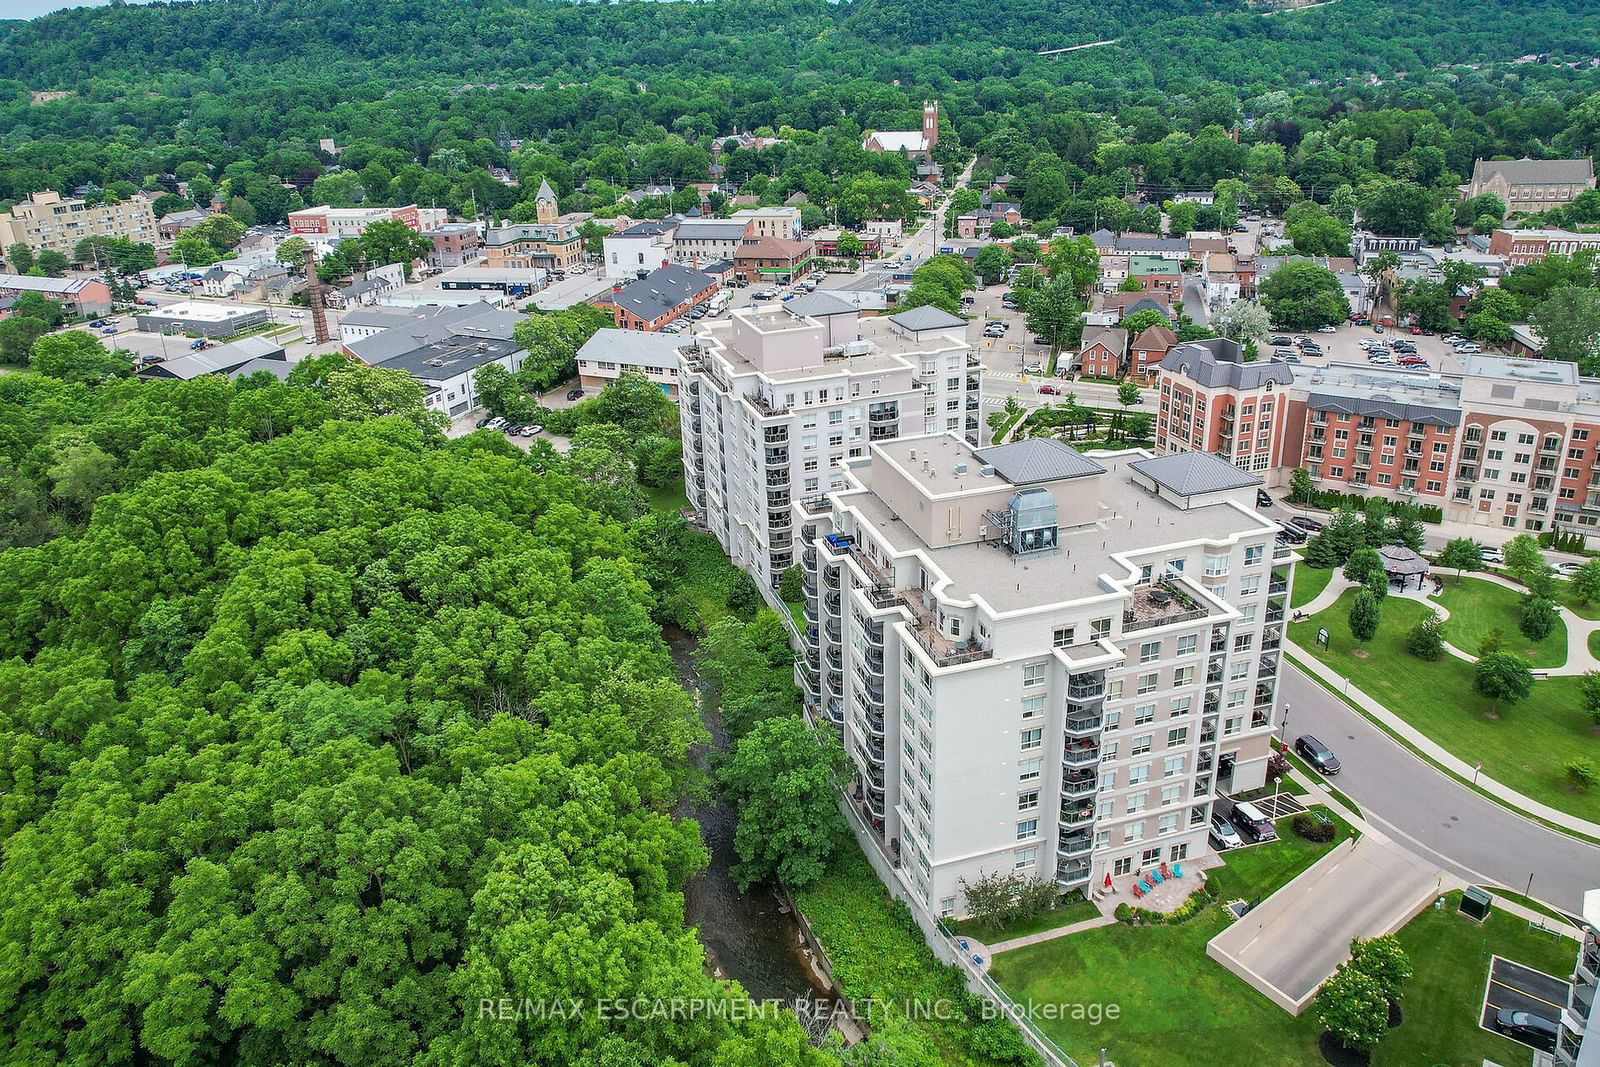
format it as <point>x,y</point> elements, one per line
<point>1475,903</point>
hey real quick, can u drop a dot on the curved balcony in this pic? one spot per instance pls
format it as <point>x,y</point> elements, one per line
<point>1083,724</point>
<point>809,609</point>
<point>874,660</point>
<point>836,711</point>
<point>777,498</point>
<point>835,661</point>
<point>1080,754</point>
<point>831,602</point>
<point>1079,783</point>
<point>781,560</point>
<point>830,577</point>
<point>775,435</point>
<point>875,801</point>
<point>808,582</point>
<point>1083,687</point>
<point>871,723</point>
<point>777,457</point>
<point>1076,813</point>
<point>833,684</point>
<point>834,631</point>
<point>808,558</point>
<point>779,520</point>
<point>1077,843</point>
<point>872,690</point>
<point>1071,874</point>
<point>778,478</point>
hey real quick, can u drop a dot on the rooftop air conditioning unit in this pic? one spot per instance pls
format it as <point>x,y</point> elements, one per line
<point>961,468</point>
<point>986,470</point>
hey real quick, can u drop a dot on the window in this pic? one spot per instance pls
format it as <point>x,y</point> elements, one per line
<point>1063,637</point>
<point>1182,677</point>
<point>1033,674</point>
<point>1027,828</point>
<point>1032,739</point>
<point>1180,851</point>
<point>1232,725</point>
<point>1181,706</point>
<point>1186,645</point>
<point>1141,745</point>
<point>1100,628</point>
<point>1027,800</point>
<point>1150,855</point>
<point>1123,865</point>
<point>1138,773</point>
<point>1144,713</point>
<point>1137,803</point>
<point>1166,824</point>
<point>1148,683</point>
<point>1250,586</point>
<point>1114,690</point>
<point>1150,651</point>
<point>1216,566</point>
<point>1025,857</point>
<point>1236,698</point>
<point>1252,554</point>
<point>1134,831</point>
<point>1032,707</point>
<point>1177,735</point>
<point>1028,770</point>
<point>1170,794</point>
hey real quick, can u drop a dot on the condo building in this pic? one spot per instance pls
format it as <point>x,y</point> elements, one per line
<point>1501,442</point>
<point>1041,660</point>
<point>46,222</point>
<point>775,398</point>
<point>1578,1041</point>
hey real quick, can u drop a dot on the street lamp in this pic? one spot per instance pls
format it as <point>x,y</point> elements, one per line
<point>1283,725</point>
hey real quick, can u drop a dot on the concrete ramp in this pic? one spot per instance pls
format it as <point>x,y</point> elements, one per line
<point>1290,945</point>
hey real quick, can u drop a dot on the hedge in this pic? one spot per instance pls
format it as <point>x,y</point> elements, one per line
<point>1332,499</point>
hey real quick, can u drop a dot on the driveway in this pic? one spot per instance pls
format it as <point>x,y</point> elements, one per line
<point>1431,814</point>
<point>1289,945</point>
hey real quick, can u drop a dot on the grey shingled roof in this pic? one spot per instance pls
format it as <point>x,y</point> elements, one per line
<point>1038,459</point>
<point>1383,407</point>
<point>662,290</point>
<point>819,304</point>
<point>635,348</point>
<point>927,317</point>
<point>1194,473</point>
<point>1218,361</point>
<point>1527,171</point>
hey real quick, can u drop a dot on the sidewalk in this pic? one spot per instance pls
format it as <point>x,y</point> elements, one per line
<point>1434,752</point>
<point>1050,935</point>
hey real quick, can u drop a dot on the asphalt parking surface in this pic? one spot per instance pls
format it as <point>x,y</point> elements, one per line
<point>1511,985</point>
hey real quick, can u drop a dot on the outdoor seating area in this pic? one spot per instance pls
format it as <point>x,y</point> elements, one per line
<point>1163,889</point>
<point>1401,565</point>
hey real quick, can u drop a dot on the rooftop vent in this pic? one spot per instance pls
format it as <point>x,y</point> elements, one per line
<point>961,468</point>
<point>986,470</point>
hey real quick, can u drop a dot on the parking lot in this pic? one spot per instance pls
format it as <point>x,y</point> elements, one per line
<point>1517,988</point>
<point>1344,346</point>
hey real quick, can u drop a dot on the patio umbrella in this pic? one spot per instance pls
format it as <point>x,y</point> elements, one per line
<point>1108,880</point>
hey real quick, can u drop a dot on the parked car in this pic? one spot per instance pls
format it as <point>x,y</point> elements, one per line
<point>1253,826</point>
<point>1378,328</point>
<point>198,344</point>
<point>1327,329</point>
<point>146,303</point>
<point>1412,361</point>
<point>97,323</point>
<point>1281,341</point>
<point>1292,535</point>
<point>1285,357</point>
<point>1263,499</point>
<point>1528,1028</point>
<point>1034,368</point>
<point>1491,555</point>
<point>1567,568</point>
<point>1317,754</point>
<point>109,330</point>
<point>1417,330</point>
<point>575,394</point>
<point>1223,835</point>
<point>1049,390</point>
<point>1306,523</point>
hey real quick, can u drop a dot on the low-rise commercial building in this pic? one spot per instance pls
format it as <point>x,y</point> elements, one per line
<point>324,225</point>
<point>202,319</point>
<point>1520,247</point>
<point>660,297</point>
<point>638,249</point>
<point>455,244</point>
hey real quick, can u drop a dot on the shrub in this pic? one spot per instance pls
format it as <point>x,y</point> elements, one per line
<point>1581,773</point>
<point>1124,913</point>
<point>1424,641</point>
<point>1538,618</point>
<point>1312,828</point>
<point>1277,766</point>
<point>1591,695</point>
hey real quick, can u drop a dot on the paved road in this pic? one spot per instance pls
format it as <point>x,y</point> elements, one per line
<point>1429,812</point>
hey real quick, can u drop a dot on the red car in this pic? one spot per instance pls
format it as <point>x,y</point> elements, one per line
<point>1049,390</point>
<point>1417,330</point>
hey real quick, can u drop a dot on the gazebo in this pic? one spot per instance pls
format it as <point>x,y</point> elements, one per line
<point>1400,564</point>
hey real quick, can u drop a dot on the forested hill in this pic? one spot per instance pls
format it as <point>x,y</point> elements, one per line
<point>965,40</point>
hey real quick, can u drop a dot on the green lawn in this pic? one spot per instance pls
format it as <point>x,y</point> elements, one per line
<point>1308,582</point>
<point>1526,747</point>
<point>1257,871</point>
<point>1450,954</point>
<point>1174,1003</point>
<point>797,612</point>
<point>1177,1005</point>
<point>1074,910</point>
<point>668,498</point>
<point>1567,600</point>
<point>1477,607</point>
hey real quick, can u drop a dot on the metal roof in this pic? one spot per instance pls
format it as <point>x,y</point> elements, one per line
<point>1218,361</point>
<point>1383,407</point>
<point>662,290</point>
<point>1194,473</point>
<point>1038,459</point>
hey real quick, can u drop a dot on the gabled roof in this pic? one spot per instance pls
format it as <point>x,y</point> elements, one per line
<point>635,348</point>
<point>1218,361</point>
<point>661,290</point>
<point>1037,459</point>
<point>1383,407</point>
<point>927,317</point>
<point>1113,337</point>
<point>1155,337</point>
<point>1527,171</point>
<point>1194,473</point>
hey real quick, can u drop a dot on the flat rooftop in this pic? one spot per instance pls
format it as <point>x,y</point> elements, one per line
<point>197,311</point>
<point>1129,519</point>
<point>890,348</point>
<point>447,358</point>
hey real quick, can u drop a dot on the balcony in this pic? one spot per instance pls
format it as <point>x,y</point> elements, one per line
<point>1073,873</point>
<point>874,660</point>
<point>1281,551</point>
<point>883,433</point>
<point>884,415</point>
<point>834,631</point>
<point>778,479</point>
<point>1204,763</point>
<point>1083,724</point>
<point>972,360</point>
<point>1083,687</point>
<point>1202,785</point>
<point>809,608</point>
<point>1079,783</point>
<point>941,648</point>
<point>781,539</point>
<point>1274,611</point>
<point>836,711</point>
<point>777,457</point>
<point>871,723</point>
<point>1080,754</point>
<point>830,601</point>
<point>815,505</point>
<point>1260,718</point>
<point>777,498</point>
<point>1076,813</point>
<point>972,385</point>
<point>830,577</point>
<point>874,802</point>
<point>1161,604</point>
<point>780,561</point>
<point>775,435</point>
<point>871,689</point>
<point>835,658</point>
<point>1267,667</point>
<point>1079,843</point>
<point>766,405</point>
<point>1278,587</point>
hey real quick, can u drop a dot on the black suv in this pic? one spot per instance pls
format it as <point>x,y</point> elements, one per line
<point>1317,754</point>
<point>575,394</point>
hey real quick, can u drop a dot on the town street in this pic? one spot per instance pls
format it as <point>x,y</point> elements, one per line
<point>1427,811</point>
